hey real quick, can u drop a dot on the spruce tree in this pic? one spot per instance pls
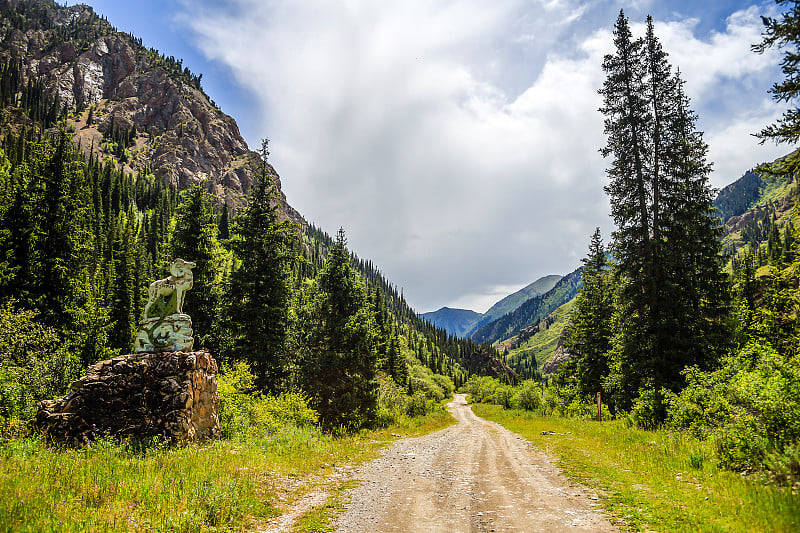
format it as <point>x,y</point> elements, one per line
<point>339,360</point>
<point>195,239</point>
<point>260,293</point>
<point>588,336</point>
<point>784,33</point>
<point>627,119</point>
<point>671,292</point>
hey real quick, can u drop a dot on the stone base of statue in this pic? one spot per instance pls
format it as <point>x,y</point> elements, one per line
<point>171,333</point>
<point>172,395</point>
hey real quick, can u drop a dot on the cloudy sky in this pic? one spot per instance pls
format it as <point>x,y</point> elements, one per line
<point>455,141</point>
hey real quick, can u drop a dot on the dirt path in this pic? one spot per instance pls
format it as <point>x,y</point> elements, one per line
<point>474,476</point>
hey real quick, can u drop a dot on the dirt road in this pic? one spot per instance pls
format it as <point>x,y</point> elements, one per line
<point>474,476</point>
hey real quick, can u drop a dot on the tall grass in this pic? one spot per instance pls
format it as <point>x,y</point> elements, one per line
<point>224,485</point>
<point>653,480</point>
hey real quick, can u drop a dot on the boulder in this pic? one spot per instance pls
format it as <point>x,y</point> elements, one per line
<point>170,394</point>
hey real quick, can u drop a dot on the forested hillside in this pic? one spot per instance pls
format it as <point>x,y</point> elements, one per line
<point>120,99</point>
<point>463,322</point>
<point>531,311</point>
<point>82,234</point>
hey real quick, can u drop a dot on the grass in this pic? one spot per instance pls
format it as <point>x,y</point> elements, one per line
<point>225,485</point>
<point>655,481</point>
<point>321,518</point>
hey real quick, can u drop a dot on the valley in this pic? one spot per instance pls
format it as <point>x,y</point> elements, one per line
<point>654,388</point>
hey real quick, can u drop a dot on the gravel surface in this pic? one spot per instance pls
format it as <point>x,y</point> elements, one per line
<point>473,476</point>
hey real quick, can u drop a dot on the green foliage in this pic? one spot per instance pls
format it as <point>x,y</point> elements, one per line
<point>33,364</point>
<point>648,409</point>
<point>528,396</point>
<point>672,299</point>
<point>588,337</point>
<point>259,297</point>
<point>750,406</point>
<point>338,346</point>
<point>194,238</point>
<point>244,411</point>
<point>782,33</point>
<point>531,311</point>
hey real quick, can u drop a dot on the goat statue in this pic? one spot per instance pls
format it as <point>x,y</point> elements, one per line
<point>179,281</point>
<point>164,325</point>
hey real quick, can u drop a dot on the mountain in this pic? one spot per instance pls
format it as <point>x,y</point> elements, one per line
<point>454,321</point>
<point>514,301</point>
<point>531,352</point>
<point>531,311</point>
<point>756,202</point>
<point>122,100</point>
<point>736,198</point>
<point>463,322</point>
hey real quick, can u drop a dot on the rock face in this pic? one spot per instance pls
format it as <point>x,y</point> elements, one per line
<point>173,395</point>
<point>559,356</point>
<point>182,137</point>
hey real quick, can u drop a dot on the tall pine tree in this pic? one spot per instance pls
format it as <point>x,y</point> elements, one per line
<point>195,239</point>
<point>671,306</point>
<point>260,294</point>
<point>339,360</point>
<point>588,336</point>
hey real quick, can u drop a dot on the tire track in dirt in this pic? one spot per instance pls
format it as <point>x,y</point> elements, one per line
<point>472,477</point>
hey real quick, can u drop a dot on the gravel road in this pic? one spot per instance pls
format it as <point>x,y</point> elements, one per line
<point>473,476</point>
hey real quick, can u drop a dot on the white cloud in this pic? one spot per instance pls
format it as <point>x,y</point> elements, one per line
<point>457,143</point>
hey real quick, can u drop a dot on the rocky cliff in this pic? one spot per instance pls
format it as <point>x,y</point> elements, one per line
<point>112,87</point>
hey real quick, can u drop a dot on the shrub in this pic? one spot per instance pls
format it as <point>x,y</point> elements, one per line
<point>418,405</point>
<point>503,395</point>
<point>392,402</point>
<point>527,396</point>
<point>750,406</point>
<point>242,410</point>
<point>649,409</point>
<point>33,364</point>
<point>422,379</point>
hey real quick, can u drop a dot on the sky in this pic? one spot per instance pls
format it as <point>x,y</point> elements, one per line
<point>457,143</point>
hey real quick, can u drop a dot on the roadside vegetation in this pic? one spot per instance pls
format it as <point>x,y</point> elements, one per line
<point>655,480</point>
<point>272,447</point>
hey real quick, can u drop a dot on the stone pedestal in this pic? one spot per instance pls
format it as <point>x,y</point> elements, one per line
<point>171,333</point>
<point>168,394</point>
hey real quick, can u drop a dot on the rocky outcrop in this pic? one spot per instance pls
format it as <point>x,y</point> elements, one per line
<point>172,395</point>
<point>559,356</point>
<point>181,136</point>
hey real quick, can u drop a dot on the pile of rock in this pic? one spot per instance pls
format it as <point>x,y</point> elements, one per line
<point>168,394</point>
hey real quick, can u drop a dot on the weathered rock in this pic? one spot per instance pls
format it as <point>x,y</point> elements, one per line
<point>172,395</point>
<point>183,137</point>
<point>559,356</point>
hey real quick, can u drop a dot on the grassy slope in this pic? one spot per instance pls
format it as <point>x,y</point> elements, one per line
<point>543,344</point>
<point>220,486</point>
<point>655,481</point>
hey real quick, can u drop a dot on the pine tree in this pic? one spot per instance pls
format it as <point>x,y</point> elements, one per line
<point>122,305</point>
<point>784,33</point>
<point>195,239</point>
<point>588,336</point>
<point>339,360</point>
<point>627,119</point>
<point>671,299</point>
<point>224,224</point>
<point>260,293</point>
